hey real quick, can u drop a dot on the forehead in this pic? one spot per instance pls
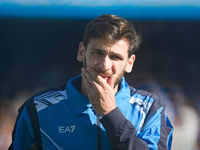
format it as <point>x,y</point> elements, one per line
<point>121,45</point>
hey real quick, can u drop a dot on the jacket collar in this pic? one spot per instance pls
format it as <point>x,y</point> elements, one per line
<point>80,103</point>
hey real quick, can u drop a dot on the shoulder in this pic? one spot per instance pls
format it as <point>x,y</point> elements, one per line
<point>48,98</point>
<point>145,97</point>
<point>45,98</point>
<point>149,103</point>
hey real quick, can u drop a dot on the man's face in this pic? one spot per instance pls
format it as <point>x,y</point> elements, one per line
<point>107,59</point>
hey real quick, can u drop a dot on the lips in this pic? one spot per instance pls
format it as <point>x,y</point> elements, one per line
<point>105,77</point>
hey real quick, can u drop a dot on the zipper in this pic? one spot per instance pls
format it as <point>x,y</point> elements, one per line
<point>98,133</point>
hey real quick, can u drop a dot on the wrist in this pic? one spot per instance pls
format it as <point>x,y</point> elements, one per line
<point>107,111</point>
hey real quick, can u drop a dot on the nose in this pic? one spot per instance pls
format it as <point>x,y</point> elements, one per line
<point>105,64</point>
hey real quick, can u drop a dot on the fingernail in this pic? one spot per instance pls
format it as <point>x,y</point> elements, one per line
<point>82,69</point>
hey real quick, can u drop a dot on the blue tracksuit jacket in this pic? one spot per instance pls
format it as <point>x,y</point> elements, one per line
<point>65,119</point>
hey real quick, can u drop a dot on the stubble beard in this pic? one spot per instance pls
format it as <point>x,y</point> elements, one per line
<point>118,78</point>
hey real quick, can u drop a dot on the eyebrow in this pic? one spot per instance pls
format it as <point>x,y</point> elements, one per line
<point>121,56</point>
<point>97,49</point>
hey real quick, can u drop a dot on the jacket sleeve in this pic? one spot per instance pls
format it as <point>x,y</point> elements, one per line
<point>22,136</point>
<point>122,134</point>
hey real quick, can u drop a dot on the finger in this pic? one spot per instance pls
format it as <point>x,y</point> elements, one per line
<point>93,89</point>
<point>89,80</point>
<point>111,80</point>
<point>92,75</point>
<point>86,74</point>
<point>86,77</point>
<point>96,76</point>
<point>89,87</point>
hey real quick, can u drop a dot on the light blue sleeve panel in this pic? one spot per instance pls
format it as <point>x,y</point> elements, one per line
<point>157,131</point>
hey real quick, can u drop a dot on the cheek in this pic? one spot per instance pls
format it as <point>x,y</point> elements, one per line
<point>119,68</point>
<point>94,64</point>
<point>88,61</point>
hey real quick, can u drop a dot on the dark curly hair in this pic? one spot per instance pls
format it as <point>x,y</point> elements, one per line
<point>112,28</point>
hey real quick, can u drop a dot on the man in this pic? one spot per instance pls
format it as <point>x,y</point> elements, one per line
<point>97,110</point>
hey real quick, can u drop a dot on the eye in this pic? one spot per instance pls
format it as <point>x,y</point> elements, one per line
<point>97,52</point>
<point>115,57</point>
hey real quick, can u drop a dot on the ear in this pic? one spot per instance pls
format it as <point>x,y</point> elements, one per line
<point>81,51</point>
<point>130,64</point>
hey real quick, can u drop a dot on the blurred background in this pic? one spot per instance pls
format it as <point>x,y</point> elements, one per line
<point>39,42</point>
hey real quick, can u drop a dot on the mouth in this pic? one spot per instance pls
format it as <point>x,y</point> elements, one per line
<point>105,78</point>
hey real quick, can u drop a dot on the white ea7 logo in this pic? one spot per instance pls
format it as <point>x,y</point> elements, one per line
<point>64,129</point>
